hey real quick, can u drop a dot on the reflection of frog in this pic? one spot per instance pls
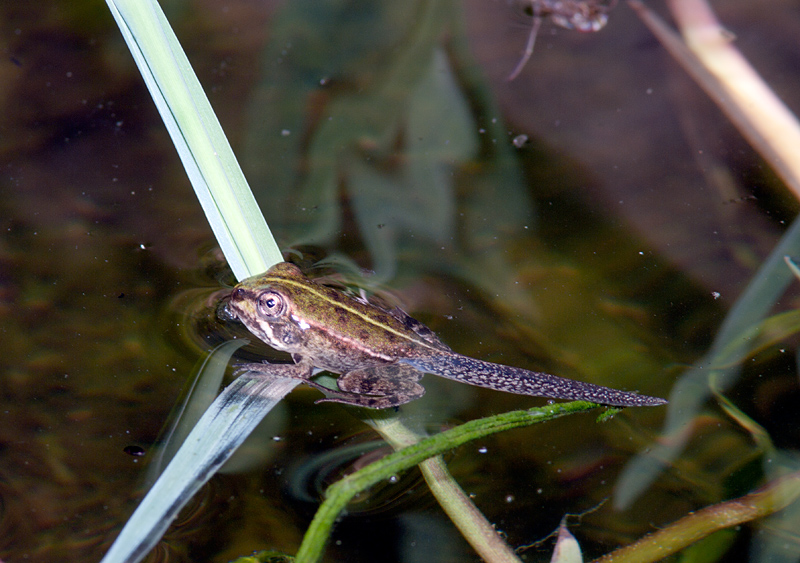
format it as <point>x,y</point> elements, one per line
<point>380,354</point>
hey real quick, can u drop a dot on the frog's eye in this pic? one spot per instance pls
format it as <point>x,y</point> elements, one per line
<point>271,304</point>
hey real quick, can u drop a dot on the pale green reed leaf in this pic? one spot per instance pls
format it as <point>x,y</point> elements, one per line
<point>248,247</point>
<point>202,391</point>
<point>215,174</point>
<point>222,429</point>
<point>692,388</point>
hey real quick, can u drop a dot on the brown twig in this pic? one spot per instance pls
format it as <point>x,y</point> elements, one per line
<point>720,69</point>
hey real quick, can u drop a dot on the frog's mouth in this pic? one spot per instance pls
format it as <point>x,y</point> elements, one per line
<point>235,311</point>
<point>225,310</point>
<point>239,314</point>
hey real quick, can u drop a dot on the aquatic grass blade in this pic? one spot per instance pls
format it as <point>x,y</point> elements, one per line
<point>215,174</point>
<point>761,336</point>
<point>777,496</point>
<point>202,392</point>
<point>246,242</point>
<point>230,419</point>
<point>692,389</point>
<point>795,269</point>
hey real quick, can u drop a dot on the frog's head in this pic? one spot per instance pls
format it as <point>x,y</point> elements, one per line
<point>266,303</point>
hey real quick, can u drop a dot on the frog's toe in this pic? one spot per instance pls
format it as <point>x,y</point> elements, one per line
<point>240,368</point>
<point>268,370</point>
<point>366,401</point>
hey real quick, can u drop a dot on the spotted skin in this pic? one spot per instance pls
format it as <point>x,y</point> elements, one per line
<point>380,354</point>
<point>524,382</point>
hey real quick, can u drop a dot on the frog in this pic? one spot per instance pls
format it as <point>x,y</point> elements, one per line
<point>379,353</point>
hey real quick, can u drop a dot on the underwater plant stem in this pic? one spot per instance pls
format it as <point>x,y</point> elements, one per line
<point>470,521</point>
<point>413,453</point>
<point>771,498</point>
<point>710,58</point>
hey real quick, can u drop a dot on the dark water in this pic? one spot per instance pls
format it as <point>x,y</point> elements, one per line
<point>380,133</point>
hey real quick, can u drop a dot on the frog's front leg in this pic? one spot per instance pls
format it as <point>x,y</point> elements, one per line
<point>300,370</point>
<point>378,387</point>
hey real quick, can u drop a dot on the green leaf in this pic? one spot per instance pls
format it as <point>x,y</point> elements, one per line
<point>202,146</point>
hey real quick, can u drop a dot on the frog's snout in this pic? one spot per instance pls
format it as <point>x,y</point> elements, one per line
<point>227,312</point>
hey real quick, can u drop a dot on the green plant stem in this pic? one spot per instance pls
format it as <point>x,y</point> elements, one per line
<point>470,521</point>
<point>775,496</point>
<point>340,493</point>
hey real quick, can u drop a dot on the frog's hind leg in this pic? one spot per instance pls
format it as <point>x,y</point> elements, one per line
<point>377,387</point>
<point>367,401</point>
<point>363,393</point>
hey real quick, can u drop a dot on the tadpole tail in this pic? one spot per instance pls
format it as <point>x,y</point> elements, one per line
<point>524,382</point>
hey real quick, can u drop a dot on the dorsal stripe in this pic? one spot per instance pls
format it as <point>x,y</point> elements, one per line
<point>310,287</point>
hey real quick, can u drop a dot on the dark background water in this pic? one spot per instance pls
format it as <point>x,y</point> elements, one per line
<point>380,133</point>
